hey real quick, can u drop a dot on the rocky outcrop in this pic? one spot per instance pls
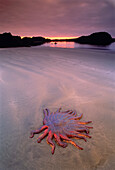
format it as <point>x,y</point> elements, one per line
<point>8,40</point>
<point>98,38</point>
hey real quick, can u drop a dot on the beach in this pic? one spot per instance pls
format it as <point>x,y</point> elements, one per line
<point>35,78</point>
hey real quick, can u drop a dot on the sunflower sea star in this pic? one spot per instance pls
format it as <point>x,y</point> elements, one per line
<point>62,125</point>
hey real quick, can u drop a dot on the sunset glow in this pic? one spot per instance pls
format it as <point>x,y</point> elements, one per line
<point>26,36</point>
<point>53,38</point>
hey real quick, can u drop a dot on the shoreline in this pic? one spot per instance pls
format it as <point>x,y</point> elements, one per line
<point>77,46</point>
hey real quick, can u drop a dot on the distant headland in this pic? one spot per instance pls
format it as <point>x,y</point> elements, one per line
<point>97,38</point>
<point>8,40</point>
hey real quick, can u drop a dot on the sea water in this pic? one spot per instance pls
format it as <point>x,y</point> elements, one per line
<point>64,44</point>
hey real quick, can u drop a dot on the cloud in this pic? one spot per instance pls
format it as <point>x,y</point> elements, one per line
<point>57,17</point>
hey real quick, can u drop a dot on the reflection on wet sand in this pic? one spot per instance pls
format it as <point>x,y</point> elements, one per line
<point>35,78</point>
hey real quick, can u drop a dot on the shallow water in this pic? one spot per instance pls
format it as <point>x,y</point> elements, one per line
<point>64,44</point>
<point>35,78</point>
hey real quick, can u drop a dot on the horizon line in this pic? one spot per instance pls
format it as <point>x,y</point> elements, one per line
<point>52,38</point>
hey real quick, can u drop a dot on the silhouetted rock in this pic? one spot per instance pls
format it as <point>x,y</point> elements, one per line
<point>8,40</point>
<point>26,41</point>
<point>98,38</point>
<point>38,40</point>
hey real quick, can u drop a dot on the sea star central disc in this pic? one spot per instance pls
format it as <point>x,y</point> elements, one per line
<point>62,126</point>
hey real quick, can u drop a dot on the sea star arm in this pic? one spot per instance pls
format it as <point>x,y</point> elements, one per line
<point>84,135</point>
<point>72,135</point>
<point>45,117</point>
<point>58,110</point>
<point>75,113</point>
<point>45,113</point>
<point>90,127</point>
<point>66,111</point>
<point>58,140</point>
<point>42,136</point>
<point>84,123</point>
<point>70,112</point>
<point>48,112</point>
<point>64,137</point>
<point>79,117</point>
<point>49,140</point>
<point>76,117</point>
<point>38,130</point>
<point>83,129</point>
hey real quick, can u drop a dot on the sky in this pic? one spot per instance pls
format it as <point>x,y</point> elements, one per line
<point>57,18</point>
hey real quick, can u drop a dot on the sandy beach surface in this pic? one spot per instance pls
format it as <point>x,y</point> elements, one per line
<point>35,78</point>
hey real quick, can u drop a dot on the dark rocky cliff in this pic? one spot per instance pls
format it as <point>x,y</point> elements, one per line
<point>8,40</point>
<point>98,38</point>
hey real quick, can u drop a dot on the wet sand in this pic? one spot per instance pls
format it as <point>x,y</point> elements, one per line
<point>42,77</point>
